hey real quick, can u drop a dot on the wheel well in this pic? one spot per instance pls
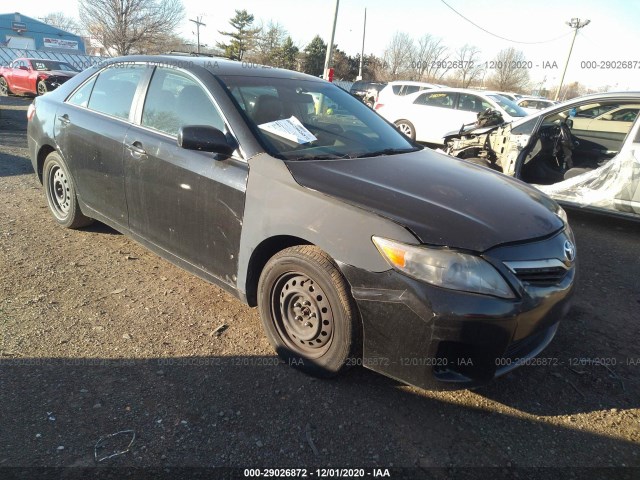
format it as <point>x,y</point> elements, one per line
<point>44,151</point>
<point>259,258</point>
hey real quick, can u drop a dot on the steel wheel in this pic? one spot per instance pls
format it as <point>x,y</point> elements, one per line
<point>42,87</point>
<point>307,311</point>
<point>4,88</point>
<point>59,192</point>
<point>302,314</point>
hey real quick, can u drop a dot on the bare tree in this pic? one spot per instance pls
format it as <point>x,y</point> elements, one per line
<point>430,60</point>
<point>468,65</point>
<point>269,40</point>
<point>398,55</point>
<point>510,72</point>
<point>130,26</point>
<point>61,21</point>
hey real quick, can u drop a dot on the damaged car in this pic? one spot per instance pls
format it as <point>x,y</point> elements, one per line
<point>583,153</point>
<point>358,246</point>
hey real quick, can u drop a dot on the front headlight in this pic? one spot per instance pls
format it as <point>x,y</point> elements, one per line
<point>562,214</point>
<point>444,268</point>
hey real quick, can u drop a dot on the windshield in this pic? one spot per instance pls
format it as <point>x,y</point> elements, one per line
<point>47,65</point>
<point>508,106</point>
<point>306,119</point>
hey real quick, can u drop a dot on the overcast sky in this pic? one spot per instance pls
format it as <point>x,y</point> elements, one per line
<point>612,35</point>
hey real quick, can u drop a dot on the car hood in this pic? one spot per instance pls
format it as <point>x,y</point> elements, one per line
<point>62,73</point>
<point>442,200</point>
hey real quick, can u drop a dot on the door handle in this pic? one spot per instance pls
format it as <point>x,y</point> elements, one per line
<point>136,149</point>
<point>64,119</point>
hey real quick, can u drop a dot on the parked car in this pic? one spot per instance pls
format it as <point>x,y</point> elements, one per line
<point>533,104</point>
<point>368,92</point>
<point>514,97</point>
<point>34,76</point>
<point>583,152</point>
<point>400,88</point>
<point>358,246</point>
<point>428,116</point>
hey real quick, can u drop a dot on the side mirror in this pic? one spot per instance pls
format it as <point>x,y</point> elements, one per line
<point>205,139</point>
<point>23,67</point>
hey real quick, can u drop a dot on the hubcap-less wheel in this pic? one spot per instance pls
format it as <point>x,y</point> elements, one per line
<point>302,314</point>
<point>59,194</point>
<point>4,89</point>
<point>42,88</point>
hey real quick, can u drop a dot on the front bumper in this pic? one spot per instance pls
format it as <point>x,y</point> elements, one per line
<point>436,338</point>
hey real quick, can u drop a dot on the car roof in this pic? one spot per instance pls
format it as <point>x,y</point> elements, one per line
<point>411,82</point>
<point>217,66</point>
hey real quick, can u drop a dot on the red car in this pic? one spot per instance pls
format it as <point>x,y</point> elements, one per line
<point>34,75</point>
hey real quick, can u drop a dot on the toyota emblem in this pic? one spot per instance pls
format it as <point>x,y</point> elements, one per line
<point>569,251</point>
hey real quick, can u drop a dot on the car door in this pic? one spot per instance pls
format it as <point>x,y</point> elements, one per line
<point>433,115</point>
<point>91,127</point>
<point>468,106</point>
<point>20,76</point>
<point>187,202</point>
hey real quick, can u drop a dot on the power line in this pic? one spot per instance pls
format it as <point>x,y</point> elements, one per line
<point>498,36</point>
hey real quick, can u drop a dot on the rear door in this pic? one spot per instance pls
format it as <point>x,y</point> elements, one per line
<point>91,128</point>
<point>187,202</point>
<point>433,114</point>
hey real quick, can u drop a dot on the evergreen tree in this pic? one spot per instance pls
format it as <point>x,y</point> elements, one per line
<point>242,38</point>
<point>314,59</point>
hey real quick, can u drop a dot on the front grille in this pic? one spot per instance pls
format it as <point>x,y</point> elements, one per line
<point>539,273</point>
<point>541,277</point>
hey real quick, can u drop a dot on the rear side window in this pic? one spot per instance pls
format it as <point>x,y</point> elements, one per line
<point>81,96</point>
<point>436,99</point>
<point>115,88</point>
<point>175,100</point>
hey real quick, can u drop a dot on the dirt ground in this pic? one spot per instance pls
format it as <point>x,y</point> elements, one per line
<point>98,335</point>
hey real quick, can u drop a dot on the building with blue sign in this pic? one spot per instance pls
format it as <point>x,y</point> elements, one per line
<point>21,32</point>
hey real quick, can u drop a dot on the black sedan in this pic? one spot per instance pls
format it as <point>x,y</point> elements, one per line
<point>358,246</point>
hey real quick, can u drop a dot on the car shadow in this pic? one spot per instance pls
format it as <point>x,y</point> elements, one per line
<point>249,411</point>
<point>14,165</point>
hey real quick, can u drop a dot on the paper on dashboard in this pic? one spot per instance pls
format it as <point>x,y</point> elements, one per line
<point>289,128</point>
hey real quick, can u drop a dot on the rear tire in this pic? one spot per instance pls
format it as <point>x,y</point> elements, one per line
<point>406,127</point>
<point>61,193</point>
<point>307,311</point>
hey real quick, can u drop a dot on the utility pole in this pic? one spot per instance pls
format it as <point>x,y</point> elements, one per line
<point>198,23</point>
<point>327,60</point>
<point>576,24</point>
<point>364,31</point>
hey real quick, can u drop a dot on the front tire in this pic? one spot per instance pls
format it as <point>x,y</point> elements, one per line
<point>4,87</point>
<point>61,193</point>
<point>307,311</point>
<point>41,87</point>
<point>406,127</point>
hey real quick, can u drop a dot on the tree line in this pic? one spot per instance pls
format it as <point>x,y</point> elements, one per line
<point>125,27</point>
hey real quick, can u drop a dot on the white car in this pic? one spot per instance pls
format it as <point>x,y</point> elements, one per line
<point>401,88</point>
<point>428,116</point>
<point>533,104</point>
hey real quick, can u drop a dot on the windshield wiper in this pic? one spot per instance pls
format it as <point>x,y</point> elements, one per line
<point>387,151</point>
<point>326,156</point>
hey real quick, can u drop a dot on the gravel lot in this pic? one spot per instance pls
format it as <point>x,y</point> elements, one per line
<point>97,335</point>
